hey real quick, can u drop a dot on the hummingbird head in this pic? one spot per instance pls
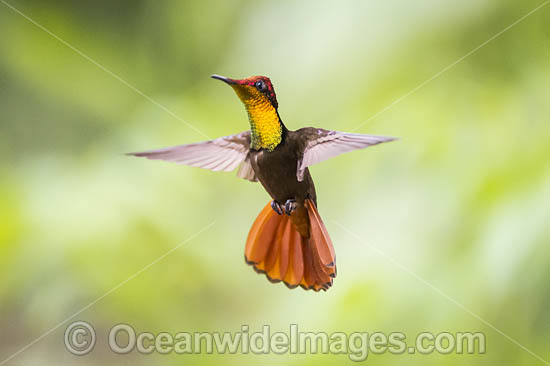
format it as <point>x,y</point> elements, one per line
<point>252,90</point>
<point>258,97</point>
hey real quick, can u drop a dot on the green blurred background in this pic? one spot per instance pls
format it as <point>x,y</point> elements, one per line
<point>462,200</point>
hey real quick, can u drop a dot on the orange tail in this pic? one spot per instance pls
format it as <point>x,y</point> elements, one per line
<point>296,250</point>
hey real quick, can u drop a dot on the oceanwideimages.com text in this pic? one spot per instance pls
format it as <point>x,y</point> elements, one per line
<point>80,339</point>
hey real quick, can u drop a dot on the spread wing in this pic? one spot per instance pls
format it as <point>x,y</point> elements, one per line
<point>222,154</point>
<point>320,145</point>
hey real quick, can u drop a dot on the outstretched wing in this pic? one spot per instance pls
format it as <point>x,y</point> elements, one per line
<point>320,145</point>
<point>222,154</point>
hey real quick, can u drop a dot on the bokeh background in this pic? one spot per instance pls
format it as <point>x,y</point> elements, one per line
<point>462,200</point>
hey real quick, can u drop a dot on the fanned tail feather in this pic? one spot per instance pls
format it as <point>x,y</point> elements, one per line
<point>296,250</point>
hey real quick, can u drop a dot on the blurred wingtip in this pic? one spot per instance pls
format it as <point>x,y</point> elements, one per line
<point>141,154</point>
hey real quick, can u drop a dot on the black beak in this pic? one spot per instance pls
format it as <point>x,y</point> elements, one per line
<point>224,79</point>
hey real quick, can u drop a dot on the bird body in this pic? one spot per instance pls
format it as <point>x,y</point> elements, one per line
<point>276,170</point>
<point>288,240</point>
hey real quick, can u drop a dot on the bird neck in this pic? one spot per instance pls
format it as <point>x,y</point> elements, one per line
<point>265,125</point>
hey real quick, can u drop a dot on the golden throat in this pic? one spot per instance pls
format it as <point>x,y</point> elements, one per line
<point>265,125</point>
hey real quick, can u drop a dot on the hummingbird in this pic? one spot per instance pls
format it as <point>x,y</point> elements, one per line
<point>288,241</point>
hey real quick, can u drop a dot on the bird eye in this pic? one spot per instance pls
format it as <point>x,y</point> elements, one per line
<point>260,85</point>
